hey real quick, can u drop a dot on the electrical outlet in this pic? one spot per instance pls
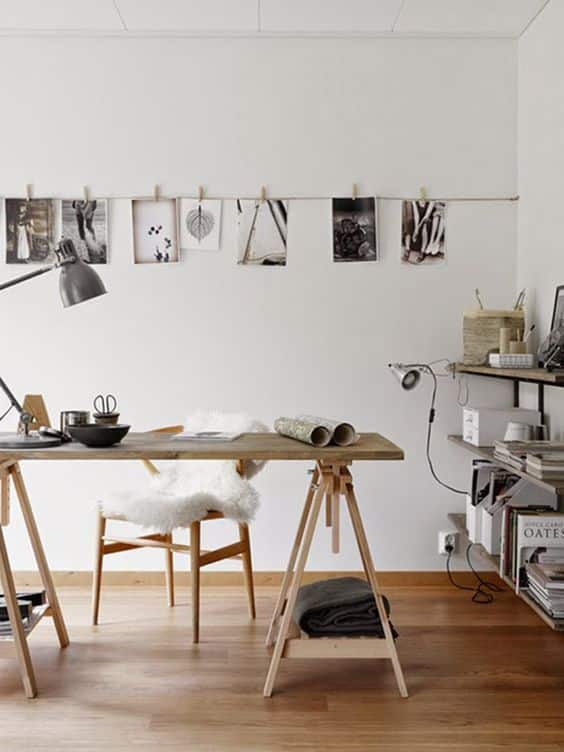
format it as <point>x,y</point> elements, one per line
<point>447,538</point>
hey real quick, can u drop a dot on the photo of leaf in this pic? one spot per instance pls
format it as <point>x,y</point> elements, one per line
<point>200,224</point>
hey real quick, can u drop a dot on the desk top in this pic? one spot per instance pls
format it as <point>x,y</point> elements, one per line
<point>249,446</point>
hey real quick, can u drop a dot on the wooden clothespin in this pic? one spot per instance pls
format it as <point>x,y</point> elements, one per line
<point>200,193</point>
<point>29,191</point>
<point>354,192</point>
<point>156,192</point>
<point>423,193</point>
<point>86,193</point>
<point>262,194</point>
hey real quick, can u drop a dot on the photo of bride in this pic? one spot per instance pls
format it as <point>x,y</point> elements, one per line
<point>30,230</point>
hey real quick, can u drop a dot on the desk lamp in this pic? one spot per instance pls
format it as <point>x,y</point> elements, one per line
<point>78,282</point>
<point>409,375</point>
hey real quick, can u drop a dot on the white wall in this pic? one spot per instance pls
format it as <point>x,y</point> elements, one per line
<point>541,166</point>
<point>304,117</point>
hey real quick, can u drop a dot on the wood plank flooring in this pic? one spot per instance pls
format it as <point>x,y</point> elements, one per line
<point>485,678</point>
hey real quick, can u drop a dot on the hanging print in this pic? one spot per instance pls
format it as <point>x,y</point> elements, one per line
<point>200,224</point>
<point>154,231</point>
<point>262,231</point>
<point>355,237</point>
<point>31,230</point>
<point>423,232</point>
<point>86,224</point>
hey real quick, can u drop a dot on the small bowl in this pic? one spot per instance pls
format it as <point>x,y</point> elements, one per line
<point>98,435</point>
<point>106,418</point>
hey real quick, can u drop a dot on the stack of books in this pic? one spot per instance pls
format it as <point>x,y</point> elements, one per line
<point>546,465</point>
<point>514,453</point>
<point>546,586</point>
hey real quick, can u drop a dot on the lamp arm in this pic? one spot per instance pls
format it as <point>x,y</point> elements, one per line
<point>29,275</point>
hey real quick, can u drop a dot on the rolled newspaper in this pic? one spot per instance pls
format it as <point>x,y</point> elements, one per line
<point>303,430</point>
<point>342,434</point>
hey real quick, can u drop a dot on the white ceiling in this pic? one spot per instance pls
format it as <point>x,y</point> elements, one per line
<point>507,18</point>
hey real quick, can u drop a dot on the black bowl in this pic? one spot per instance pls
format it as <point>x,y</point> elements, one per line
<point>98,435</point>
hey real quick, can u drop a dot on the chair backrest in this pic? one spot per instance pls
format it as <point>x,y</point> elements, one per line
<point>154,470</point>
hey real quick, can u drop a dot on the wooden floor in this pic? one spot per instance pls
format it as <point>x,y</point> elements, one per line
<point>481,678</point>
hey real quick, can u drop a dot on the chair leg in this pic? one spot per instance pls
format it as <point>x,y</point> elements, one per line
<point>97,572</point>
<point>169,572</point>
<point>195,572</point>
<point>248,568</point>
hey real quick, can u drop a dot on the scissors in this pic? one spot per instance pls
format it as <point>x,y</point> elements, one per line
<point>105,405</point>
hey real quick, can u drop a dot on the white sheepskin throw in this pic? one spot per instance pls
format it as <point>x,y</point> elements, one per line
<point>185,491</point>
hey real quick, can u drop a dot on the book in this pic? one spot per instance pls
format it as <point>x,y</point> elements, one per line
<point>534,530</point>
<point>549,577</point>
<point>206,436</point>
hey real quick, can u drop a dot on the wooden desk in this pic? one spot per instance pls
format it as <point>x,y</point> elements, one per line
<point>331,481</point>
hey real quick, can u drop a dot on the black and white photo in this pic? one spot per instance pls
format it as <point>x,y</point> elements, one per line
<point>423,232</point>
<point>262,232</point>
<point>155,239</point>
<point>200,224</point>
<point>355,234</point>
<point>31,230</point>
<point>86,224</point>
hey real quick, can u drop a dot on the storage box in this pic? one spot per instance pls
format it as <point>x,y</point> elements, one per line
<point>474,519</point>
<point>482,426</point>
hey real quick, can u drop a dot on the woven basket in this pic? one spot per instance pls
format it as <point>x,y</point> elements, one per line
<point>480,333</point>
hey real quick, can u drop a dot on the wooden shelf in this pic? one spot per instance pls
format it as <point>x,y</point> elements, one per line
<point>38,613</point>
<point>459,522</point>
<point>531,375</point>
<point>488,453</point>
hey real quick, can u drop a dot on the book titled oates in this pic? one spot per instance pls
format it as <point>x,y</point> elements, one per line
<point>544,531</point>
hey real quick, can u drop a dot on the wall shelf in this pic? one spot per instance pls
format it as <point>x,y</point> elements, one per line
<point>517,376</point>
<point>530,375</point>
<point>488,454</point>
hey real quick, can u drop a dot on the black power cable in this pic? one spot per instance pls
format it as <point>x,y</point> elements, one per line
<point>482,593</point>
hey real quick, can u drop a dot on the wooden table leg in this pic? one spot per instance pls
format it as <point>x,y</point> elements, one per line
<point>335,498</point>
<point>279,608</point>
<point>296,580</point>
<point>40,557</point>
<point>371,576</point>
<point>18,632</point>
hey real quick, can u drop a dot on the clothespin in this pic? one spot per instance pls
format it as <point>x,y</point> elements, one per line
<point>423,193</point>
<point>156,192</point>
<point>29,191</point>
<point>200,193</point>
<point>85,193</point>
<point>354,192</point>
<point>262,194</point>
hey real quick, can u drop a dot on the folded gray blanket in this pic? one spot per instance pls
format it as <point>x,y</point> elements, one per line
<point>344,607</point>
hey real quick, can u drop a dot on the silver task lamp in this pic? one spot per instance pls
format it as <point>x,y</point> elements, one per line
<point>78,282</point>
<point>407,375</point>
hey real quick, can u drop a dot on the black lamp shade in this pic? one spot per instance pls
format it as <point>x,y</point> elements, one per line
<point>79,282</point>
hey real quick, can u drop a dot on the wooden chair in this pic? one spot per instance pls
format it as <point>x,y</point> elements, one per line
<point>199,558</point>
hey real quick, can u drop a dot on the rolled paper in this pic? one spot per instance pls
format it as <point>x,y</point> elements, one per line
<point>303,430</point>
<point>342,434</point>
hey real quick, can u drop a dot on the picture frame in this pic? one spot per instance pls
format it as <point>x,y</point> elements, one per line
<point>558,308</point>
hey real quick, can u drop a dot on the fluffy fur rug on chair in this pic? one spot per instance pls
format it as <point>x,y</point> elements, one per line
<point>184,492</point>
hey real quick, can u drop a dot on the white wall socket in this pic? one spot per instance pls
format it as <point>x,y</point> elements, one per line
<point>447,538</point>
